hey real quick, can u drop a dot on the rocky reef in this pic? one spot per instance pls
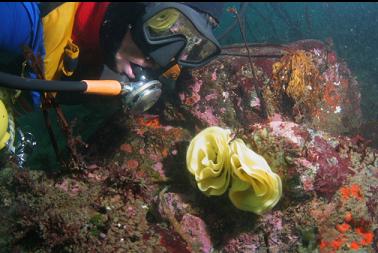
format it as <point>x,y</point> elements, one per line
<point>135,194</point>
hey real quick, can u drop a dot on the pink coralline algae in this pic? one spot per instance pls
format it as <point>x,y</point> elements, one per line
<point>196,87</point>
<point>192,99</point>
<point>191,228</point>
<point>333,170</point>
<point>194,96</point>
<point>159,168</point>
<point>207,116</point>
<point>287,130</point>
<point>274,226</point>
<point>69,186</point>
<point>307,183</point>
<point>214,76</point>
<point>211,97</point>
<point>276,117</point>
<point>182,96</point>
<point>141,151</point>
<point>126,148</point>
<point>322,167</point>
<point>132,164</point>
<point>331,58</point>
<point>156,157</point>
<point>196,228</point>
<point>274,219</point>
<point>245,242</point>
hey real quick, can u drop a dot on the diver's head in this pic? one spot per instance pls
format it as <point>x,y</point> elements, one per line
<point>176,33</point>
<point>162,37</point>
<point>159,35</point>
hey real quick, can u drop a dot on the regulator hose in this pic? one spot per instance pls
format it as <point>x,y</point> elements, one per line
<point>101,87</point>
<point>20,83</point>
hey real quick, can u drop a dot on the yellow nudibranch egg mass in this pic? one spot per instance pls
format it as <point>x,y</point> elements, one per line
<point>219,165</point>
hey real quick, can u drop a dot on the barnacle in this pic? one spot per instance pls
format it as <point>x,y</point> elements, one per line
<point>255,187</point>
<point>208,159</point>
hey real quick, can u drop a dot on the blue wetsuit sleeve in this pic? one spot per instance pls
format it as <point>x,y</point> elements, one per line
<point>36,42</point>
<point>21,25</point>
<point>37,28</point>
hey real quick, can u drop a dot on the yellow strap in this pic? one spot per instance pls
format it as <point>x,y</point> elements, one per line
<point>57,25</point>
<point>71,51</point>
<point>4,135</point>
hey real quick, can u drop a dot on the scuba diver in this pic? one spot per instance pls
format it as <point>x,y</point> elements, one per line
<point>64,48</point>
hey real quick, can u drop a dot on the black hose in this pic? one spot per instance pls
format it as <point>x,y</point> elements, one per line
<point>20,83</point>
<point>253,56</point>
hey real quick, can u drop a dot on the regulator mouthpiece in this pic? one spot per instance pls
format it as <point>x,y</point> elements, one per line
<point>141,94</point>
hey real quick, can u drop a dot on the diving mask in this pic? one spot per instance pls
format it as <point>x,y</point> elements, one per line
<point>173,33</point>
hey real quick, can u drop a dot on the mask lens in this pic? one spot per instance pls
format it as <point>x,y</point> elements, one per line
<point>170,22</point>
<point>161,23</point>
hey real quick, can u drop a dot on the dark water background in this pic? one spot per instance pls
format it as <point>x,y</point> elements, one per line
<point>353,27</point>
